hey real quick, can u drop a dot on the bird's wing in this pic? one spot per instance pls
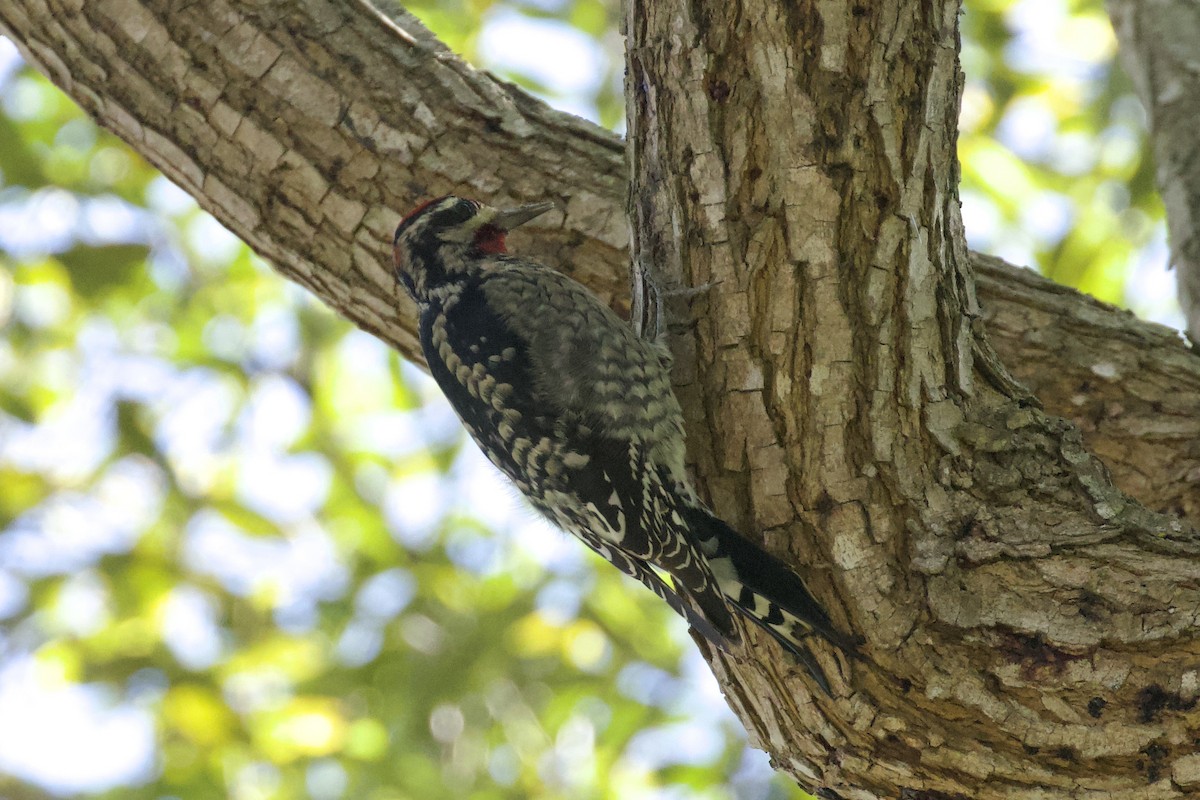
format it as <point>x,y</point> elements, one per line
<point>587,481</point>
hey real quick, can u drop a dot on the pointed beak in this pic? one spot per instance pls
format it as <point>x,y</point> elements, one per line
<point>509,218</point>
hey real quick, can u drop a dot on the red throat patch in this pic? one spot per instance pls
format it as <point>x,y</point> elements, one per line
<point>490,239</point>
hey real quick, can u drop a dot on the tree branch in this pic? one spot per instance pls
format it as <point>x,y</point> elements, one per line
<point>309,126</point>
<point>1131,387</point>
<point>1158,46</point>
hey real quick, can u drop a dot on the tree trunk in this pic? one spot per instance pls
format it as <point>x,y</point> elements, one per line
<point>1030,629</point>
<point>803,163</point>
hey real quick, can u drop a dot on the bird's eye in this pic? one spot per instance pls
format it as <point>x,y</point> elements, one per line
<point>466,209</point>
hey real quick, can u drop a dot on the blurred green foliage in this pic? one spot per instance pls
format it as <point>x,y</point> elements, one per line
<point>254,529</point>
<point>1055,163</point>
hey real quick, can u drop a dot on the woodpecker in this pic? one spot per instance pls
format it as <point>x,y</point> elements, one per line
<point>577,411</point>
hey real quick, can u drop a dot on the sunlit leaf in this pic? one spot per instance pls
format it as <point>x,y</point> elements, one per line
<point>304,727</point>
<point>22,491</point>
<point>366,740</point>
<point>199,714</point>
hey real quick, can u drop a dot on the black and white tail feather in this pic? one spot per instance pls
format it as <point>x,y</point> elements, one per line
<point>765,590</point>
<point>577,410</point>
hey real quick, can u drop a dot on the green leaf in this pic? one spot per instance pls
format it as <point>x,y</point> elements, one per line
<point>96,271</point>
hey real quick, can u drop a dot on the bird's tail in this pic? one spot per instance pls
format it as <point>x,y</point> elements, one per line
<point>765,590</point>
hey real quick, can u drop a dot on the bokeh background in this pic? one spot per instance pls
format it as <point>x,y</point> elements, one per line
<point>244,549</point>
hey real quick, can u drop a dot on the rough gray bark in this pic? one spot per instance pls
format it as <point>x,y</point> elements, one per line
<point>1131,388</point>
<point>850,410</point>
<point>1030,630</point>
<point>1158,48</point>
<point>309,143</point>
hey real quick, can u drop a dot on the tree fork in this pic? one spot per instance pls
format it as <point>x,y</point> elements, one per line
<point>1042,643</point>
<point>844,405</point>
<point>254,147</point>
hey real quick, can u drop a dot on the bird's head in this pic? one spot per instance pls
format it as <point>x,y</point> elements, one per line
<point>441,241</point>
